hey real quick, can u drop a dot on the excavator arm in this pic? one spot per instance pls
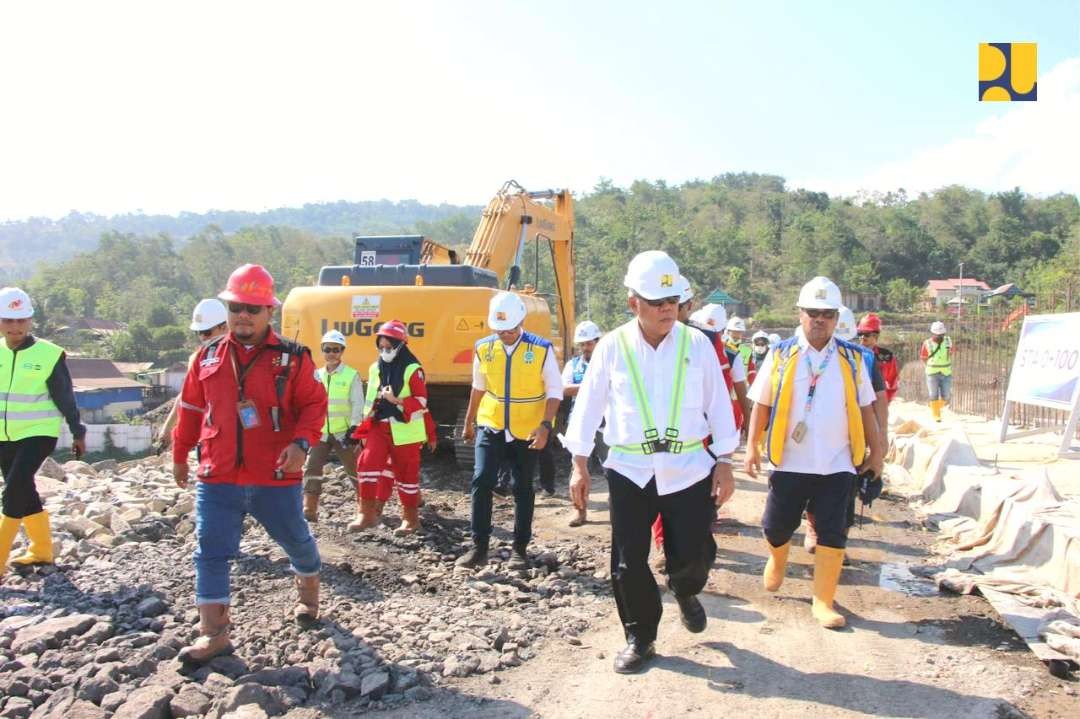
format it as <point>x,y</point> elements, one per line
<point>515,217</point>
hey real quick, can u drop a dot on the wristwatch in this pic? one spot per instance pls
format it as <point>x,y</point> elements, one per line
<point>546,424</point>
<point>302,444</point>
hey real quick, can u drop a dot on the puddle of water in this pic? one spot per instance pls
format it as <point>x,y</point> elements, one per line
<point>898,578</point>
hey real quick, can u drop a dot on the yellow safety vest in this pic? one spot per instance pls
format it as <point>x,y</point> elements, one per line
<point>27,408</point>
<point>785,364</point>
<point>515,398</point>
<point>941,361</point>
<point>339,408</point>
<point>410,432</point>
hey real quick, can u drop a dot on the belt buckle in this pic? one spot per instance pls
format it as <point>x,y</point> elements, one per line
<point>661,445</point>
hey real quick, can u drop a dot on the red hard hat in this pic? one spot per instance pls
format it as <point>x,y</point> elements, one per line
<point>394,329</point>
<point>250,284</point>
<point>870,323</point>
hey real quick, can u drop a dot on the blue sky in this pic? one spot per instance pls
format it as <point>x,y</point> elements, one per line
<point>124,106</point>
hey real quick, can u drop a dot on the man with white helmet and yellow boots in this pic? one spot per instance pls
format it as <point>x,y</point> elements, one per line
<point>38,397</point>
<point>208,320</point>
<point>516,391</point>
<point>344,411</point>
<point>586,335</point>
<point>936,354</point>
<point>813,413</point>
<point>657,386</point>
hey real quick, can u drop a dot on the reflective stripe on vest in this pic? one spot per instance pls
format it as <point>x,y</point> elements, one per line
<point>410,432</point>
<point>338,387</point>
<point>28,410</point>
<point>785,365</point>
<point>653,443</point>
<point>941,362</point>
<point>515,398</point>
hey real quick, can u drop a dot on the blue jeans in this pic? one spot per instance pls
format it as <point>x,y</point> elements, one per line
<point>492,450</point>
<point>939,386</point>
<point>219,521</point>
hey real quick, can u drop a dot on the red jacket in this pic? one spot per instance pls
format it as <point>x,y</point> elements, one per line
<point>208,413</point>
<point>890,371</point>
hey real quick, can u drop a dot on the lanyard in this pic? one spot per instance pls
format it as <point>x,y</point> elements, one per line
<point>241,370</point>
<point>815,375</point>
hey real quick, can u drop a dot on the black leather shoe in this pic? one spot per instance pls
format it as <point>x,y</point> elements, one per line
<point>634,658</point>
<point>693,614</point>
<point>519,560</point>
<point>475,557</point>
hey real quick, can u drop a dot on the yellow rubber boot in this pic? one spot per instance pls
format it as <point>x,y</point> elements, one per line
<point>776,566</point>
<point>935,409</point>
<point>40,550</point>
<point>828,562</point>
<point>9,527</point>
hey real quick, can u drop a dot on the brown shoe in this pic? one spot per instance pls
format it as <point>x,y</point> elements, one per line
<point>370,515</point>
<point>410,521</point>
<point>213,637</point>
<point>311,506</point>
<point>578,518</point>
<point>306,611</point>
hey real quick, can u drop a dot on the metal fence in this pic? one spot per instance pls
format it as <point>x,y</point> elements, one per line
<point>985,344</point>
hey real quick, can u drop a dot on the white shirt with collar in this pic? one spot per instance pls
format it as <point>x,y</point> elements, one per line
<point>553,385</point>
<point>606,395</point>
<point>826,447</point>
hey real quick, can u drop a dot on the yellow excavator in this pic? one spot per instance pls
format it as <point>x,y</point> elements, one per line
<point>442,299</point>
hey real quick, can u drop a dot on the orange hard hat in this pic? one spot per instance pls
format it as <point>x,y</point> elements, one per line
<point>394,329</point>
<point>250,284</point>
<point>870,323</point>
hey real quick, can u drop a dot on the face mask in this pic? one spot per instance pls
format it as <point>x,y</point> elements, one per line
<point>388,355</point>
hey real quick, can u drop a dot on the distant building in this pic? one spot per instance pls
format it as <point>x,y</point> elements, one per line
<point>132,370</point>
<point>102,391</point>
<point>174,376</point>
<point>940,292</point>
<point>862,301</point>
<point>102,328</point>
<point>731,305</point>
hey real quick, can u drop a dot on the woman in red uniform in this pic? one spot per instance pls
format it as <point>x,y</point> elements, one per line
<point>396,425</point>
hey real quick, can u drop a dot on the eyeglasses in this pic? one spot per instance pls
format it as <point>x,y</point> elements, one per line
<point>238,307</point>
<point>827,314</point>
<point>332,349</point>
<point>660,302</point>
<point>205,333</point>
<point>869,334</point>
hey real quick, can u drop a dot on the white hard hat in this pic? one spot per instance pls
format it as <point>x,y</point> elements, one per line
<point>710,317</point>
<point>586,332</point>
<point>938,328</point>
<point>506,311</point>
<point>15,304</point>
<point>653,275</point>
<point>333,337</point>
<point>686,292</point>
<point>774,339</point>
<point>760,335</point>
<point>208,314</point>
<point>820,293</point>
<point>845,324</point>
<point>737,324</point>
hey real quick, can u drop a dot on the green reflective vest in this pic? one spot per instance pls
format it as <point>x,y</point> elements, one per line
<point>410,432</point>
<point>339,408</point>
<point>939,357</point>
<point>27,409</point>
<point>653,443</point>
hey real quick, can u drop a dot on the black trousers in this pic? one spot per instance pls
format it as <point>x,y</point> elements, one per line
<point>825,496</point>
<point>20,461</point>
<point>492,450</point>
<point>688,544</point>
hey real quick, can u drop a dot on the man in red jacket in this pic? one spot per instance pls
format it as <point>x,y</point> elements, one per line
<point>253,406</point>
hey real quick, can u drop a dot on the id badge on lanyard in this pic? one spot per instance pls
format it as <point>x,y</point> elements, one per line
<point>799,432</point>
<point>246,409</point>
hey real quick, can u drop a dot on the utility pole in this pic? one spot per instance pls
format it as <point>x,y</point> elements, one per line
<point>960,295</point>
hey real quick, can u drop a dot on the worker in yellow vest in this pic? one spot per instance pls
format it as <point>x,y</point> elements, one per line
<point>936,354</point>
<point>813,410</point>
<point>396,425</point>
<point>345,410</point>
<point>36,395</point>
<point>516,391</point>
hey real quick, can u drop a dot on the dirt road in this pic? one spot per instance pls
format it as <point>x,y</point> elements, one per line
<point>762,655</point>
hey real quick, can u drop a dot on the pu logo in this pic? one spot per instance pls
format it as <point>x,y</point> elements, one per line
<point>501,316</point>
<point>14,304</point>
<point>821,294</point>
<point>252,288</point>
<point>666,280</point>
<point>1008,72</point>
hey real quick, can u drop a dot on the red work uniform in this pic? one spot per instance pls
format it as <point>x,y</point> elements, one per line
<point>890,371</point>
<point>279,391</point>
<point>382,463</point>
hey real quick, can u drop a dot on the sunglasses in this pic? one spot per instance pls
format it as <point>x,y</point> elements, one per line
<point>661,302</point>
<point>238,307</point>
<point>869,334</point>
<point>332,349</point>
<point>205,333</point>
<point>827,314</point>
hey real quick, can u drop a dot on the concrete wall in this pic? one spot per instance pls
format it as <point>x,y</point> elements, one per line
<point>130,437</point>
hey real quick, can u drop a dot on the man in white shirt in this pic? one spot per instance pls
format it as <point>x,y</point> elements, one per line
<point>814,398</point>
<point>586,335</point>
<point>516,391</point>
<point>658,387</point>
